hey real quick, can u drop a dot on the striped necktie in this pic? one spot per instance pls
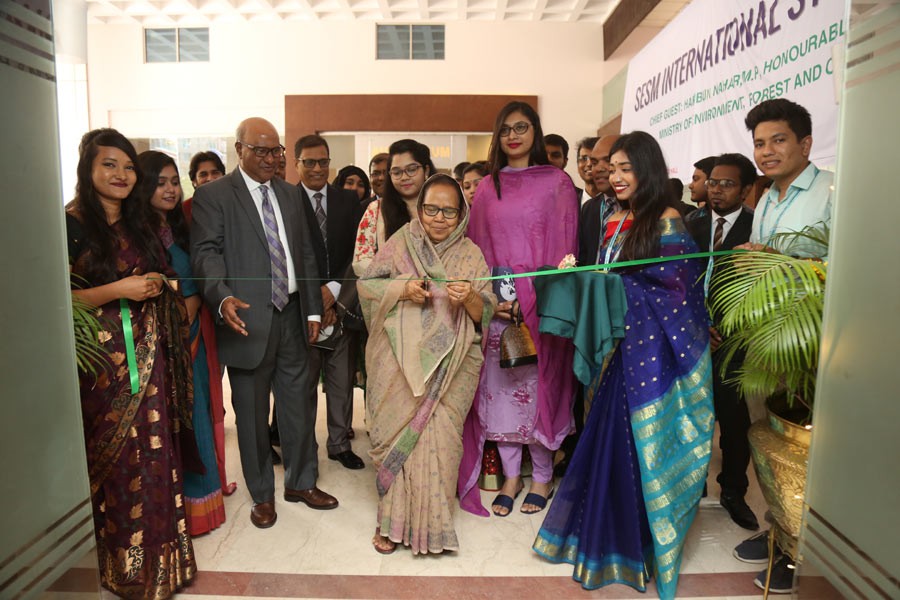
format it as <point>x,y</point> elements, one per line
<point>320,216</point>
<point>276,253</point>
<point>717,236</point>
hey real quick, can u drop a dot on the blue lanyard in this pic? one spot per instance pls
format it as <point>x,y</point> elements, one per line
<point>609,209</point>
<point>783,206</point>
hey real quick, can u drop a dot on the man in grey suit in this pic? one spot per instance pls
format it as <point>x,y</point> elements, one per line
<point>251,250</point>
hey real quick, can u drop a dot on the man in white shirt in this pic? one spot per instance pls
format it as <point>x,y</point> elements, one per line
<point>332,216</point>
<point>251,250</point>
<point>724,224</point>
<point>583,156</point>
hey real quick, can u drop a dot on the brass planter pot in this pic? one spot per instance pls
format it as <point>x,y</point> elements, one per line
<point>780,452</point>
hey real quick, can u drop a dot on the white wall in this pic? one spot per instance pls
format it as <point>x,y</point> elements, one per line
<point>254,65</point>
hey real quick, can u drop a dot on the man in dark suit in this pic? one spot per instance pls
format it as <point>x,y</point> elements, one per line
<point>727,223</point>
<point>597,211</point>
<point>583,157</point>
<point>252,252</point>
<point>591,226</point>
<point>332,216</point>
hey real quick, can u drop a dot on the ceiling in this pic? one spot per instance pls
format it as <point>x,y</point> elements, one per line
<point>200,12</point>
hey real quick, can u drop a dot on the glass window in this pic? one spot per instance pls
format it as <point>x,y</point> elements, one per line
<point>160,45</point>
<point>405,42</point>
<point>393,42</point>
<point>176,45</point>
<point>193,44</point>
<point>428,42</point>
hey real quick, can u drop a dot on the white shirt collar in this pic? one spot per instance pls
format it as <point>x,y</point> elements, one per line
<point>730,218</point>
<point>311,193</point>
<point>252,184</point>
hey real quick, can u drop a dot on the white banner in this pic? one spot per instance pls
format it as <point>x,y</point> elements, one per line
<point>694,83</point>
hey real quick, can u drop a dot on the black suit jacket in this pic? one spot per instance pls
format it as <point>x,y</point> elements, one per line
<point>342,215</point>
<point>590,230</point>
<point>700,228</point>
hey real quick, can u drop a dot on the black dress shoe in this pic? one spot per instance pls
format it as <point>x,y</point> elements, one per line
<point>739,512</point>
<point>276,459</point>
<point>348,459</point>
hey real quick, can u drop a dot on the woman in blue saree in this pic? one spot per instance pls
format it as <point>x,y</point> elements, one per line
<point>204,487</point>
<point>632,488</point>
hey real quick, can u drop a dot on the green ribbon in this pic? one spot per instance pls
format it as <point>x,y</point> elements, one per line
<point>129,346</point>
<point>617,265</point>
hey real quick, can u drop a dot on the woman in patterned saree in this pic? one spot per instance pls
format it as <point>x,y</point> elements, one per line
<point>135,408</point>
<point>425,337</point>
<point>634,483</point>
<point>203,492</point>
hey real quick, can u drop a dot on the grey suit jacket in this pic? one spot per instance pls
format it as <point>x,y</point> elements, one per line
<point>230,254</point>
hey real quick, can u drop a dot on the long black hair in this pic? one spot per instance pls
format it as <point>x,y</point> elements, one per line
<point>498,159</point>
<point>393,206</point>
<point>152,163</point>
<point>100,240</point>
<point>652,196</point>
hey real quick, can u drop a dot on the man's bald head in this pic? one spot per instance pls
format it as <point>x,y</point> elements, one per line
<point>257,136</point>
<point>600,163</point>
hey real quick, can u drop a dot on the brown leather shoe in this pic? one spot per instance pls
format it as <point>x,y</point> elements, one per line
<point>313,498</point>
<point>263,514</point>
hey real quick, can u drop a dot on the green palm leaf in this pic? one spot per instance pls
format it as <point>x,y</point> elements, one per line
<point>771,317</point>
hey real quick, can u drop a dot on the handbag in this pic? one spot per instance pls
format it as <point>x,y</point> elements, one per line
<point>516,346</point>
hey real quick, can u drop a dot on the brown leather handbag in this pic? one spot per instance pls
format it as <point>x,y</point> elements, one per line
<point>516,346</point>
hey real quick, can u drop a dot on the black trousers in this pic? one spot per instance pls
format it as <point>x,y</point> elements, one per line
<point>734,422</point>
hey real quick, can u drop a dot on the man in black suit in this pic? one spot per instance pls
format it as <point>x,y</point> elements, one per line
<point>596,211</point>
<point>332,216</point>
<point>583,157</point>
<point>591,227</point>
<point>251,250</point>
<point>727,223</point>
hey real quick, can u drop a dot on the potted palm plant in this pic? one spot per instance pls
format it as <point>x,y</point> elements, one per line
<point>771,306</point>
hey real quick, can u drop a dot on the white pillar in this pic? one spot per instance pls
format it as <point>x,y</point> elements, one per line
<point>70,36</point>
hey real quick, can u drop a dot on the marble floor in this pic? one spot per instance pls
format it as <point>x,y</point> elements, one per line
<point>328,554</point>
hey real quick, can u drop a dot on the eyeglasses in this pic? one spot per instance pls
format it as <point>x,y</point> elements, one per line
<point>411,169</point>
<point>584,158</point>
<point>379,173</point>
<point>520,128</point>
<point>725,184</point>
<point>310,163</point>
<point>431,210</point>
<point>262,151</point>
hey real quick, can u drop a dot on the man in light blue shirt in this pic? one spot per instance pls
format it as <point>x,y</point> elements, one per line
<point>800,195</point>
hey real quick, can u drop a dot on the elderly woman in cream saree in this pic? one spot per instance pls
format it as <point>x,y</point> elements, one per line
<point>425,308</point>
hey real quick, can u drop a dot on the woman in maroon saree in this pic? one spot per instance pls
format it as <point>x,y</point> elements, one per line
<point>132,414</point>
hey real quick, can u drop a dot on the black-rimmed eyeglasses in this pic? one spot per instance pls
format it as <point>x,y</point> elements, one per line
<point>520,128</point>
<point>431,210</point>
<point>262,151</point>
<point>411,169</point>
<point>310,163</point>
